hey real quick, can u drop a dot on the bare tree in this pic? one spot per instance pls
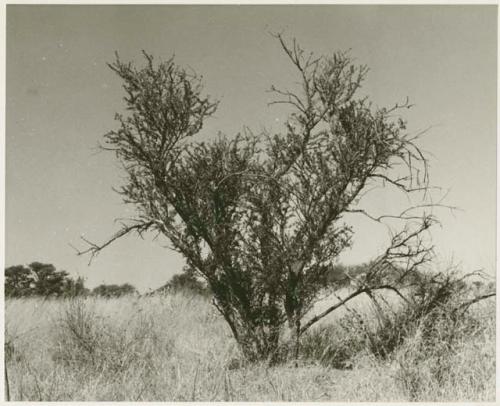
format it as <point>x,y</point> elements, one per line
<point>261,217</point>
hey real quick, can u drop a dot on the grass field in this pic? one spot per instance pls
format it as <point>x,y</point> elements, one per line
<point>177,348</point>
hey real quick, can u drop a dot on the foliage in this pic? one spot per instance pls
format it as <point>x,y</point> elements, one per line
<point>262,217</point>
<point>18,281</point>
<point>38,279</point>
<point>76,287</point>
<point>436,316</point>
<point>113,290</point>
<point>185,282</point>
<point>444,328</point>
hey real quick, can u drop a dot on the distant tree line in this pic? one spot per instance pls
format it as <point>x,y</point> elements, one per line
<point>39,279</point>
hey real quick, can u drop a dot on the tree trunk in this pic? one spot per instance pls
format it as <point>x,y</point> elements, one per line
<point>259,344</point>
<point>297,341</point>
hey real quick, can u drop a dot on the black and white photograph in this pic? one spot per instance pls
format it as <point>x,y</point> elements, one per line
<point>250,202</point>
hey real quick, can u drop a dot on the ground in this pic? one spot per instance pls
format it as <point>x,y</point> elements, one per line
<point>177,348</point>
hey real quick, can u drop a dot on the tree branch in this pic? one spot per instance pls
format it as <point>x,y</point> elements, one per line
<point>94,249</point>
<point>466,305</point>
<point>331,309</point>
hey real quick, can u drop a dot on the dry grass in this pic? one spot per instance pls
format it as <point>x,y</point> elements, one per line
<point>177,348</point>
<point>465,371</point>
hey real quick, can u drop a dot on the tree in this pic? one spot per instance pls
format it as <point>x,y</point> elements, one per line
<point>111,291</point>
<point>18,281</point>
<point>261,216</point>
<point>186,281</point>
<point>39,279</point>
<point>75,287</point>
<point>48,281</point>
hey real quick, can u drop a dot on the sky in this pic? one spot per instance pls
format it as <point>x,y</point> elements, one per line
<point>61,98</point>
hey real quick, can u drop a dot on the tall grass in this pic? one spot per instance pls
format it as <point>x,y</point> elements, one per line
<point>450,360</point>
<point>177,348</point>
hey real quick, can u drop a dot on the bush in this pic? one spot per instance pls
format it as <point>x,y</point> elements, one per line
<point>437,307</point>
<point>261,217</point>
<point>430,325</point>
<point>185,282</point>
<point>79,335</point>
<point>113,291</point>
<point>439,358</point>
<point>86,340</point>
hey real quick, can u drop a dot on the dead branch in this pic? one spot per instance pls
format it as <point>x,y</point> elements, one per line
<point>403,215</point>
<point>326,312</point>
<point>465,306</point>
<point>94,249</point>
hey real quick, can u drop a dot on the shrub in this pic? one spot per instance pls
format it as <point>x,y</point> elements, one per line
<point>430,324</point>
<point>262,217</point>
<point>186,282</point>
<point>86,340</point>
<point>110,291</point>
<point>445,355</point>
<point>79,336</point>
<point>437,307</point>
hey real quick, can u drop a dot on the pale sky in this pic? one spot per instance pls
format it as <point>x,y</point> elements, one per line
<point>61,99</point>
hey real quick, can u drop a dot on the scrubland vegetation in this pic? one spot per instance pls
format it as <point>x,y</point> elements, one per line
<point>176,347</point>
<point>261,220</point>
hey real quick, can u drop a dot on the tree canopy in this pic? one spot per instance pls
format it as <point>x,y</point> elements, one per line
<point>113,290</point>
<point>39,279</point>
